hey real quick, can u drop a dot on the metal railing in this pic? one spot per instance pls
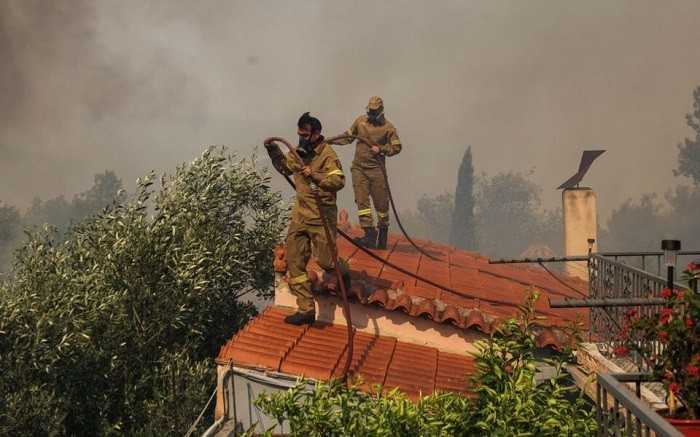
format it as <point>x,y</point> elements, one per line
<point>613,279</point>
<point>651,262</point>
<point>620,412</point>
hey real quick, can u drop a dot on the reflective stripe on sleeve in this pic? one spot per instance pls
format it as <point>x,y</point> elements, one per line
<point>395,142</point>
<point>336,171</point>
<point>367,211</point>
<point>299,279</point>
<point>382,214</point>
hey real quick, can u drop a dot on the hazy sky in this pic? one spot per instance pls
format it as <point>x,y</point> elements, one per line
<point>130,86</point>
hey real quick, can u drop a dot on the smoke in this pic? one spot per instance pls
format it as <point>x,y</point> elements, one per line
<point>72,106</point>
<point>89,86</point>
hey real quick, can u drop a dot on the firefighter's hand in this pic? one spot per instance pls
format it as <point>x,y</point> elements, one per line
<point>268,142</point>
<point>374,149</point>
<point>306,171</point>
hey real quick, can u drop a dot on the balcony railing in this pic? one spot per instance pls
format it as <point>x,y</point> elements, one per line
<point>613,279</point>
<point>621,412</point>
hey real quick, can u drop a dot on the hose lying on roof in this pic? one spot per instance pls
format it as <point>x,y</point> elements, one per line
<point>388,189</point>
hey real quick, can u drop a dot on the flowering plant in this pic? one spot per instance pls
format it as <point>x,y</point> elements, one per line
<point>674,332</point>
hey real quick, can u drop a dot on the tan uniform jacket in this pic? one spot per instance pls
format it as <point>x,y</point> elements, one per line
<point>327,173</point>
<point>383,135</point>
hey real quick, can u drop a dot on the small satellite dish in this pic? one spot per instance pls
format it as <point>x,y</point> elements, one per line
<point>586,160</point>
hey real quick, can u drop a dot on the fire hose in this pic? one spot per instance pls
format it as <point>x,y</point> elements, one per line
<point>334,253</point>
<point>393,208</point>
<point>386,181</point>
<point>334,249</point>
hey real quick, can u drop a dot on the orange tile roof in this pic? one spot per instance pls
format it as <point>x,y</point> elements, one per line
<point>320,351</point>
<point>474,293</point>
<point>471,294</point>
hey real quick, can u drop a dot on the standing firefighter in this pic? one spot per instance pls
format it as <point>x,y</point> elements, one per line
<point>321,169</point>
<point>367,175</point>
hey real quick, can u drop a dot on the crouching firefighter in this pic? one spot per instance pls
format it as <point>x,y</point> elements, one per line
<point>321,171</point>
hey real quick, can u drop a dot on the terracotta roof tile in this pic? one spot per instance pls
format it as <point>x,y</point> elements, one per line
<point>426,309</point>
<point>412,369</point>
<point>320,351</point>
<point>451,315</point>
<point>475,319</point>
<point>402,302</point>
<point>450,373</point>
<point>469,283</point>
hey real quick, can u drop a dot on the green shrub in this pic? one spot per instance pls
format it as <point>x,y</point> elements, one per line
<point>508,400</point>
<point>113,329</point>
<point>332,409</point>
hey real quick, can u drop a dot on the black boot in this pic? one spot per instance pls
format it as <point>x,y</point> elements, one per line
<point>369,240</point>
<point>381,240</point>
<point>301,319</point>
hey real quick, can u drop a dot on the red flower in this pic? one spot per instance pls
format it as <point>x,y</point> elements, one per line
<point>621,351</point>
<point>692,266</point>
<point>677,361</point>
<point>673,387</point>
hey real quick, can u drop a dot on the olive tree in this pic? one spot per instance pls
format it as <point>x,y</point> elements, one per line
<point>113,328</point>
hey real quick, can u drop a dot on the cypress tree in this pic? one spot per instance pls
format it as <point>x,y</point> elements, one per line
<point>463,232</point>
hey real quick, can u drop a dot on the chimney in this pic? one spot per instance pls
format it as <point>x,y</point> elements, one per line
<point>580,225</point>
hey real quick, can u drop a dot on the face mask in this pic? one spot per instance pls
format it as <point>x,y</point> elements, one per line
<point>304,149</point>
<point>374,115</point>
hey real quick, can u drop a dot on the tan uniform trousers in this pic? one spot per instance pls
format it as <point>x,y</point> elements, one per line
<point>370,182</point>
<point>299,239</point>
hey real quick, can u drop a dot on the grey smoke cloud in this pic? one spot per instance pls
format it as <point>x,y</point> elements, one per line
<point>134,85</point>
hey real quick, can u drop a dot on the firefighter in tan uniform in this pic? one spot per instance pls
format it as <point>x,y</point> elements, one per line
<point>322,168</point>
<point>367,177</point>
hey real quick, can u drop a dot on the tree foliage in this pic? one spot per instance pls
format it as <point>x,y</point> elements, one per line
<point>689,149</point>
<point>463,232</point>
<point>634,226</point>
<point>112,329</point>
<point>684,215</point>
<point>432,217</point>
<point>59,212</point>
<point>509,217</point>
<point>641,226</point>
<point>508,400</point>
<point>436,213</point>
<point>10,233</point>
